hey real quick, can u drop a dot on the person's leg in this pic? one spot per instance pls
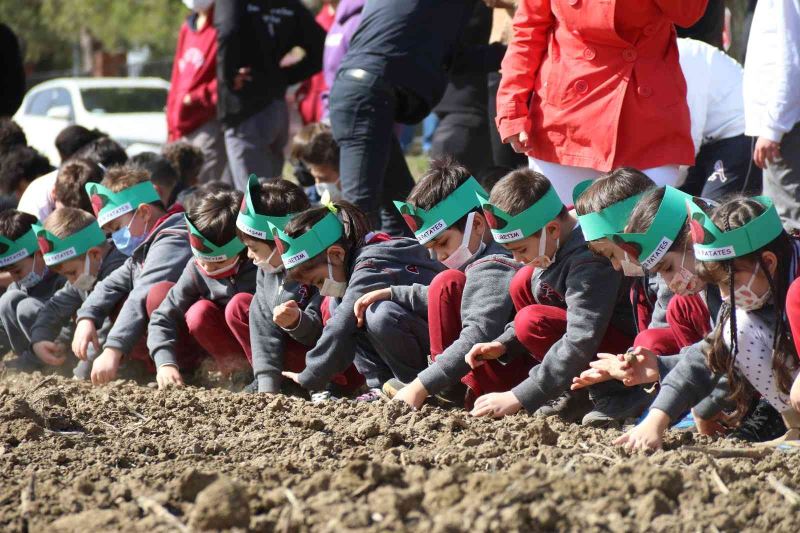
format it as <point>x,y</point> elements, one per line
<point>782,180</point>
<point>210,139</point>
<point>351,379</point>
<point>428,129</point>
<point>400,340</point>
<point>520,288</point>
<point>563,177</point>
<point>502,154</point>
<point>277,136</point>
<point>250,145</point>
<point>689,319</point>
<point>663,175</point>
<point>27,311</point>
<point>658,340</point>
<point>9,302</point>
<point>205,323</point>
<point>237,317</point>
<point>371,164</point>
<point>538,327</point>
<point>464,136</point>
<point>444,309</point>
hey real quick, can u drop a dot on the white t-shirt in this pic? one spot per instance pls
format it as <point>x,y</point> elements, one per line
<point>38,198</point>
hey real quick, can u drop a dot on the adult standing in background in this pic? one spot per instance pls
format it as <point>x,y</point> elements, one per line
<point>395,71</point>
<point>772,102</point>
<point>12,86</point>
<point>253,37</point>
<point>192,98</point>
<point>587,88</point>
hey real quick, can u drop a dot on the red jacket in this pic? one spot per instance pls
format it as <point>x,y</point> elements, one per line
<point>194,72</point>
<point>598,84</point>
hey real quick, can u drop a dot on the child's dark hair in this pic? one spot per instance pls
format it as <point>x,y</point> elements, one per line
<point>276,198</point>
<point>66,221</point>
<point>314,145</point>
<point>441,179</point>
<point>20,165</point>
<point>73,138</point>
<point>644,213</point>
<point>519,190</point>
<point>164,176</point>
<point>11,136</point>
<point>104,151</point>
<point>186,159</point>
<point>489,177</point>
<point>734,214</point>
<point>14,224</point>
<point>72,178</point>
<point>356,227</point>
<point>611,188</point>
<point>214,215</point>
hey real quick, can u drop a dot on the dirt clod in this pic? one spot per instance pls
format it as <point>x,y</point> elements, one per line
<point>221,505</point>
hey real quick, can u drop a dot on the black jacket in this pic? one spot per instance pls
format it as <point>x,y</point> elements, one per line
<point>12,88</point>
<point>258,34</point>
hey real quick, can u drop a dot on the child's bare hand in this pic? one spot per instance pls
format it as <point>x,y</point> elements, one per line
<point>484,351</point>
<point>360,307</point>
<point>49,353</point>
<point>85,334</point>
<point>496,404</point>
<point>648,435</point>
<point>413,394</point>
<point>714,426</point>
<point>168,376</point>
<point>104,368</point>
<point>287,314</point>
<point>294,376</point>
<point>590,377</point>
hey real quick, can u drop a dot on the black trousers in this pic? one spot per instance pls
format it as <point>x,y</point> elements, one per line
<point>373,169</point>
<point>502,154</point>
<point>723,168</point>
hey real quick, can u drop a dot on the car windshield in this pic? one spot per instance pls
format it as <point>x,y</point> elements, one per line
<point>124,99</point>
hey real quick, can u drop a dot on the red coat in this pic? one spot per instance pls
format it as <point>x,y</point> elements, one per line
<point>597,83</point>
<point>194,72</point>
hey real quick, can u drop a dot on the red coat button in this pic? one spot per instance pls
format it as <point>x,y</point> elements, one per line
<point>629,55</point>
<point>581,87</point>
<point>589,53</point>
<point>573,3</point>
<point>645,91</point>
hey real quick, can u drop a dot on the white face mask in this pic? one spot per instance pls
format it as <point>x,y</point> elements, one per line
<point>543,261</point>
<point>198,5</point>
<point>685,282</point>
<point>86,280</point>
<point>331,287</point>
<point>32,279</point>
<point>746,299</point>
<point>332,190</point>
<point>463,255</point>
<point>631,269</point>
<point>266,264</point>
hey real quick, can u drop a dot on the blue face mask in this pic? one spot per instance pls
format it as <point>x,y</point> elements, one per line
<point>125,242</point>
<point>32,279</point>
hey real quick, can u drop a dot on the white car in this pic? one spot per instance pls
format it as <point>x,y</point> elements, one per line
<point>129,110</point>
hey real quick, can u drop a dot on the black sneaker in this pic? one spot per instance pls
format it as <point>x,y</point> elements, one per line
<point>570,406</point>
<point>764,423</point>
<point>614,408</point>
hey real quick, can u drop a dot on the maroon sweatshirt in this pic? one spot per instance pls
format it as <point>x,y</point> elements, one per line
<point>194,72</point>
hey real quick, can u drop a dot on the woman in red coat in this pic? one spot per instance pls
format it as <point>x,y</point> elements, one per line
<point>592,85</point>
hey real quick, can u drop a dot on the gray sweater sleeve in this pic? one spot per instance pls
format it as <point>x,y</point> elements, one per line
<point>309,329</point>
<point>484,313</point>
<point>162,331</point>
<point>412,297</point>
<point>711,404</point>
<point>686,384</point>
<point>266,338</point>
<point>107,293</point>
<point>166,260</point>
<point>336,348</point>
<point>56,313</point>
<point>591,295</point>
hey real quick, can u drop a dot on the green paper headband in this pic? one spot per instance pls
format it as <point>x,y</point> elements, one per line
<point>506,228</point>
<point>206,250</point>
<point>252,223</point>
<point>427,225</point>
<point>109,205</point>
<point>14,251</point>
<point>651,246</point>
<point>714,244</point>
<point>56,251</point>
<point>297,250</point>
<point>605,222</point>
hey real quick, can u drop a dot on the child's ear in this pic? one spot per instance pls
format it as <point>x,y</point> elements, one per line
<point>336,254</point>
<point>553,228</point>
<point>770,261</point>
<point>95,254</point>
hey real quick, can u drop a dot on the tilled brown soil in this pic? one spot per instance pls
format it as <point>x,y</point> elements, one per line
<point>126,457</point>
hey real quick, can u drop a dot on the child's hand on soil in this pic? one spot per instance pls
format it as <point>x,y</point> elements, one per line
<point>496,404</point>
<point>104,368</point>
<point>484,351</point>
<point>287,314</point>
<point>49,353</point>
<point>294,376</point>
<point>648,435</point>
<point>794,394</point>
<point>360,307</point>
<point>168,376</point>
<point>713,426</point>
<point>413,394</point>
<point>85,334</point>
